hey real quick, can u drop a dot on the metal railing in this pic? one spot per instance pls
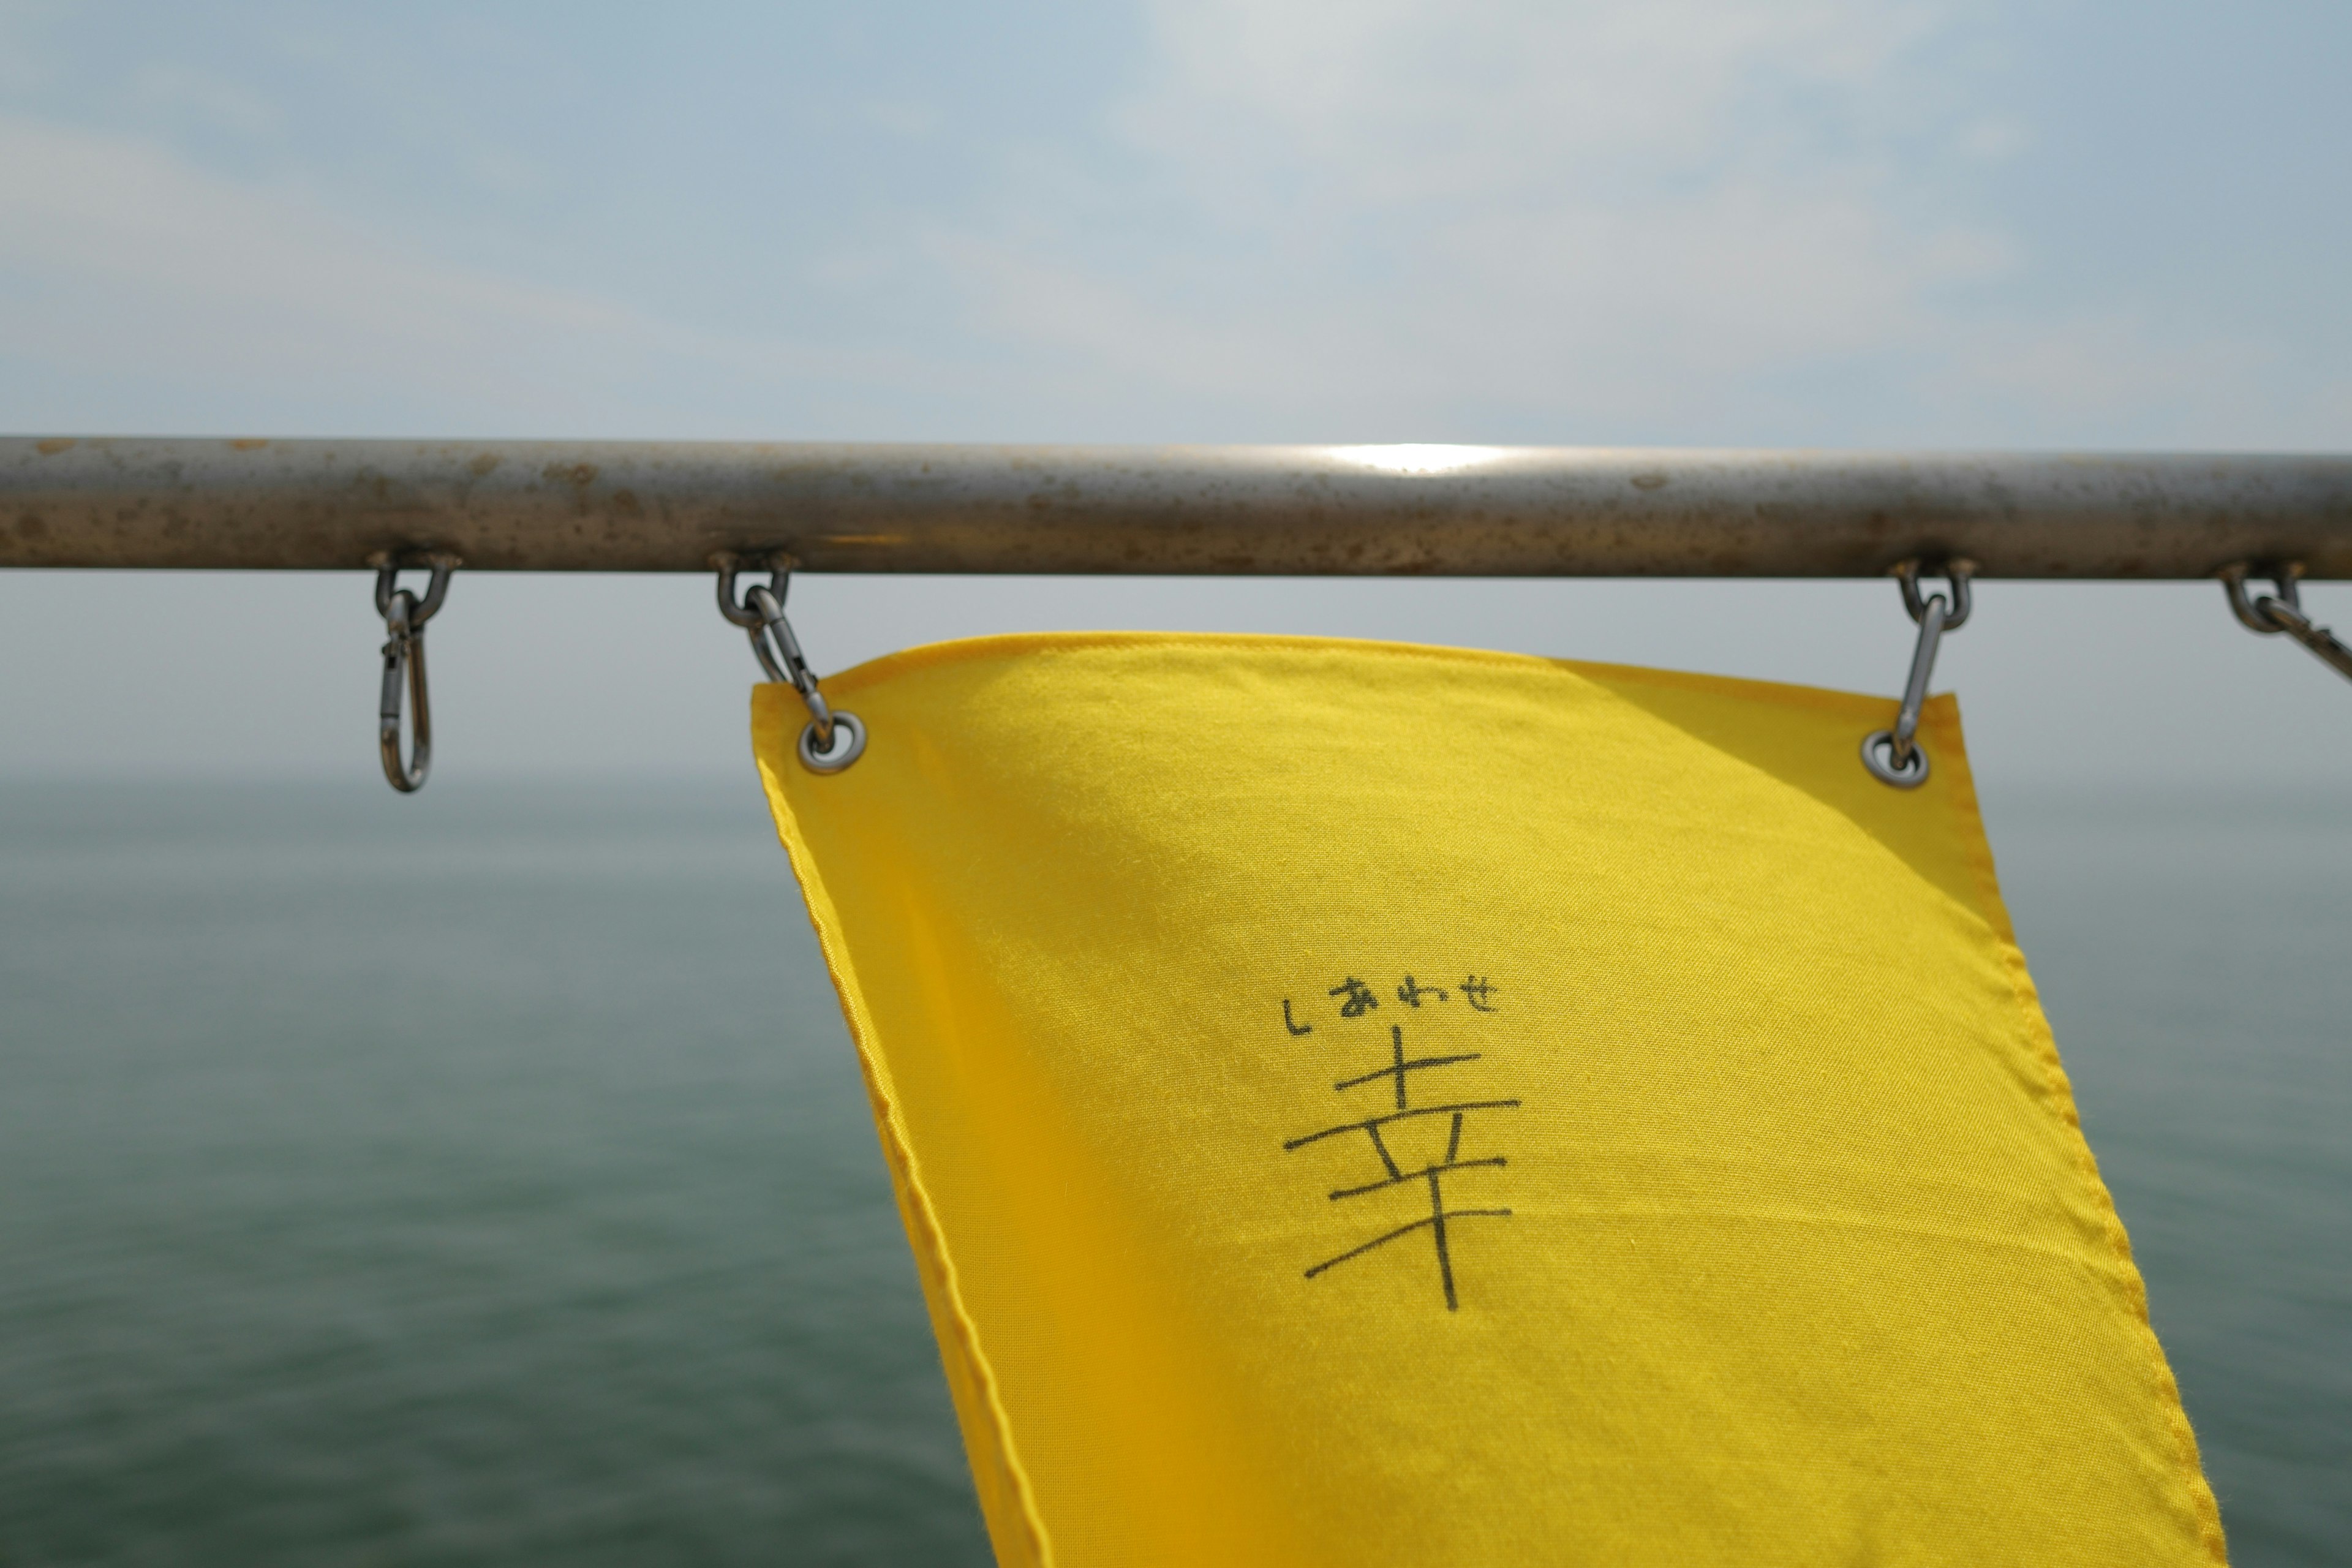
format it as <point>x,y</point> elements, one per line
<point>546,506</point>
<point>1464,511</point>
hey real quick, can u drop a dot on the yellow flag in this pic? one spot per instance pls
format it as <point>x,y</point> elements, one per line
<point>1355,1103</point>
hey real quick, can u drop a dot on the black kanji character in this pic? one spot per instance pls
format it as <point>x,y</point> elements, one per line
<point>1360,998</point>
<point>1396,1176</point>
<point>1475,991</point>
<point>1295,1029</point>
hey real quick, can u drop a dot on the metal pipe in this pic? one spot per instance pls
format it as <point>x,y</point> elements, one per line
<point>1309,511</point>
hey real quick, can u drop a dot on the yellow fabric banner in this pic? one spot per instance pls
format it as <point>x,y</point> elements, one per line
<point>1355,1103</point>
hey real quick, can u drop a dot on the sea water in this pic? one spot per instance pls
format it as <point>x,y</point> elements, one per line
<point>484,1177</point>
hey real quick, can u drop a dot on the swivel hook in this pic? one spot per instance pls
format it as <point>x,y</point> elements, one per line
<point>404,615</point>
<point>830,742</point>
<point>1895,756</point>
<point>2271,615</point>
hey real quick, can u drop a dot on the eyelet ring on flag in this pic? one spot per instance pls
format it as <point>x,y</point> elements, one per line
<point>1904,762</point>
<point>1878,756</point>
<point>831,740</point>
<point>849,744</point>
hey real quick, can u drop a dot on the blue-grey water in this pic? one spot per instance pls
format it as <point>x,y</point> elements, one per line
<point>483,1177</point>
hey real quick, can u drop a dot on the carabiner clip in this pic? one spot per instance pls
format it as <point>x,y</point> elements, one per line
<point>404,615</point>
<point>1895,756</point>
<point>830,742</point>
<point>2271,615</point>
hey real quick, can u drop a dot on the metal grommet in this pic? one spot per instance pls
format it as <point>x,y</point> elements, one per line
<point>1878,756</point>
<point>849,744</point>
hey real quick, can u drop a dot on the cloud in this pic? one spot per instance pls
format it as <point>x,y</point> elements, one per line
<point>1675,220</point>
<point>1586,220</point>
<point>2114,365</point>
<point>129,257</point>
<point>1430,212</point>
<point>203,96</point>
<point>1403,100</point>
<point>134,278</point>
<point>131,267</point>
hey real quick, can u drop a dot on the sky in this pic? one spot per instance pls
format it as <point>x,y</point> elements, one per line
<point>2073,224</point>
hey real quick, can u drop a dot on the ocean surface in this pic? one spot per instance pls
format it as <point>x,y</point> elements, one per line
<point>483,1177</point>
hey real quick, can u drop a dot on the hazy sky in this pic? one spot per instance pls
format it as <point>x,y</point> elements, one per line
<point>1683,222</point>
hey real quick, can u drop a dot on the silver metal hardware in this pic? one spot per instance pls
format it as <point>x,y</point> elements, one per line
<point>849,744</point>
<point>2271,615</point>
<point>830,742</point>
<point>1878,756</point>
<point>1895,756</point>
<point>404,615</point>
